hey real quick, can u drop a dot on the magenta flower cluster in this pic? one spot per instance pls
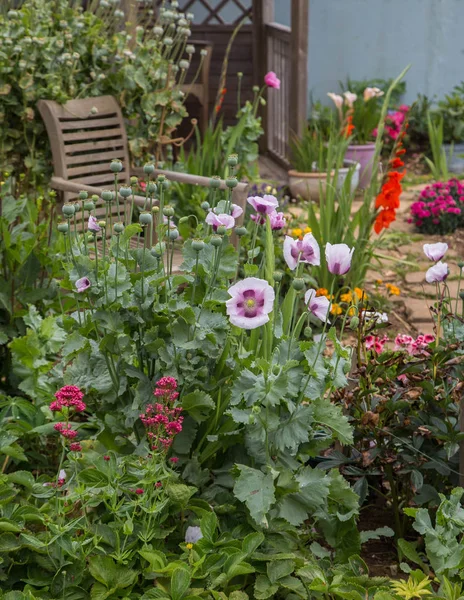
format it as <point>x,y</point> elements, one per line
<point>376,343</point>
<point>394,122</point>
<point>413,346</point>
<point>69,396</point>
<point>439,207</point>
<point>162,420</point>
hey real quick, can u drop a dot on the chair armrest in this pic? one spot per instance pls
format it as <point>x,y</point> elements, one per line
<point>64,185</point>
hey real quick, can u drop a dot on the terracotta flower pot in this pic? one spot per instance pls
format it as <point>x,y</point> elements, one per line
<point>310,186</point>
<point>363,154</point>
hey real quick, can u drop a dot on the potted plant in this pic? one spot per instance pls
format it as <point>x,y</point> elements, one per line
<point>451,109</point>
<point>315,157</point>
<point>362,117</point>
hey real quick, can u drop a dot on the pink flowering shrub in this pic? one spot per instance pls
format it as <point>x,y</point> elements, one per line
<point>162,419</point>
<point>393,123</point>
<point>439,207</point>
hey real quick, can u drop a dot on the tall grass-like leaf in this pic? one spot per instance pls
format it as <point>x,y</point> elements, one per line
<point>438,166</point>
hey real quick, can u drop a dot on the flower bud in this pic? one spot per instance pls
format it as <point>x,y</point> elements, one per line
<point>203,52</point>
<point>190,49</point>
<point>255,89</point>
<point>107,195</point>
<point>125,191</point>
<point>63,227</point>
<point>161,178</point>
<point>168,211</point>
<point>232,160</point>
<point>205,205</point>
<point>184,64</point>
<point>231,182</point>
<point>308,332</point>
<point>118,228</point>
<point>166,184</point>
<point>278,275</point>
<point>173,234</point>
<point>149,168</point>
<point>68,210</point>
<point>83,195</point>
<point>90,237</point>
<point>215,182</point>
<point>89,205</point>
<point>158,249</point>
<point>460,264</point>
<point>298,284</point>
<point>221,230</point>
<point>155,209</point>
<point>95,198</point>
<point>216,241</point>
<point>116,165</point>
<point>145,218</point>
<point>198,245</point>
<point>239,74</point>
<point>183,220</point>
<point>134,180</point>
<point>354,322</point>
<point>102,224</point>
<point>241,231</point>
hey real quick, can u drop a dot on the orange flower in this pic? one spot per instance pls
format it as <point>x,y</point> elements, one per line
<point>360,293</point>
<point>384,218</point>
<point>336,309</point>
<point>322,292</point>
<point>349,128</point>
<point>396,163</point>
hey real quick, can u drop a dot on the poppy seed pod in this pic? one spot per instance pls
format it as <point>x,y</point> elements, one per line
<point>68,210</point>
<point>190,49</point>
<point>166,184</point>
<point>232,160</point>
<point>151,187</point>
<point>134,180</point>
<point>173,234</point>
<point>215,182</point>
<point>125,191</point>
<point>198,245</point>
<point>308,332</point>
<point>148,169</point>
<point>89,205</point>
<point>83,195</point>
<point>216,241</point>
<point>298,284</point>
<point>145,218</point>
<point>168,211</point>
<point>278,276</point>
<point>205,205</point>
<point>155,209</point>
<point>240,231</point>
<point>107,195</point>
<point>116,165</point>
<point>231,182</point>
<point>158,250</point>
<point>184,64</point>
<point>118,227</point>
<point>63,227</point>
<point>102,224</point>
<point>221,230</point>
<point>161,178</point>
<point>95,198</point>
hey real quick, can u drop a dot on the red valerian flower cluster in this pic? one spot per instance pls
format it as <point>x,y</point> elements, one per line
<point>162,420</point>
<point>66,430</point>
<point>69,396</point>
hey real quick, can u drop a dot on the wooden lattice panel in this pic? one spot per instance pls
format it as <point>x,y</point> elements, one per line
<point>214,12</point>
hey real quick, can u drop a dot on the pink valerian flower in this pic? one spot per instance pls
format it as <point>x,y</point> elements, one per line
<point>65,430</point>
<point>318,305</point>
<point>93,225</point>
<point>222,220</point>
<point>376,343</point>
<point>263,205</point>
<point>139,491</point>
<point>251,301</point>
<point>106,458</point>
<point>162,420</point>
<point>75,447</point>
<point>158,484</point>
<point>413,346</point>
<point>338,257</point>
<point>306,251</point>
<point>174,460</point>
<point>69,396</point>
<point>82,284</point>
<point>277,220</point>
<point>271,80</point>
<point>437,273</point>
<point>436,251</point>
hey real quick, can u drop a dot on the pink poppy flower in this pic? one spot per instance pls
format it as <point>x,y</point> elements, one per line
<point>237,211</point>
<point>251,301</point>
<point>82,284</point>
<point>277,220</point>
<point>271,80</point>
<point>305,250</point>
<point>264,205</point>
<point>318,305</point>
<point>338,258</point>
<point>436,251</point>
<point>93,225</point>
<point>221,220</point>
<point>437,273</point>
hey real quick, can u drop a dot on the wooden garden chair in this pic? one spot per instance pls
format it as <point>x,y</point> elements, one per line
<point>85,135</point>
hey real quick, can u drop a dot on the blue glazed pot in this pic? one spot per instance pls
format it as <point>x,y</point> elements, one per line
<point>454,157</point>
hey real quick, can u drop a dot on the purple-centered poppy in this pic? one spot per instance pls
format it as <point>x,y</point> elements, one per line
<point>437,273</point>
<point>305,250</point>
<point>221,220</point>
<point>271,80</point>
<point>93,225</point>
<point>251,301</point>
<point>319,306</point>
<point>237,211</point>
<point>277,220</point>
<point>338,258</point>
<point>264,205</point>
<point>82,284</point>
<point>436,251</point>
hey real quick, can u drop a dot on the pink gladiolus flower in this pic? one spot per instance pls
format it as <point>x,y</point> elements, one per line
<point>318,305</point>
<point>436,251</point>
<point>336,98</point>
<point>251,301</point>
<point>93,225</point>
<point>350,98</point>
<point>271,80</point>
<point>82,284</point>
<point>221,220</point>
<point>264,205</point>
<point>277,220</point>
<point>305,250</point>
<point>338,258</point>
<point>437,273</point>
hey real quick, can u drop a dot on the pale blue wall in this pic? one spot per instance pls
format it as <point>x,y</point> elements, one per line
<point>363,39</point>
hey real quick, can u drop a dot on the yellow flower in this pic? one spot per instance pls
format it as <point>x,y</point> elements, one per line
<point>297,232</point>
<point>189,546</point>
<point>274,191</point>
<point>351,311</point>
<point>268,189</point>
<point>346,297</point>
<point>322,292</point>
<point>361,294</point>
<point>393,289</point>
<point>307,230</point>
<point>336,309</point>
<point>378,281</point>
